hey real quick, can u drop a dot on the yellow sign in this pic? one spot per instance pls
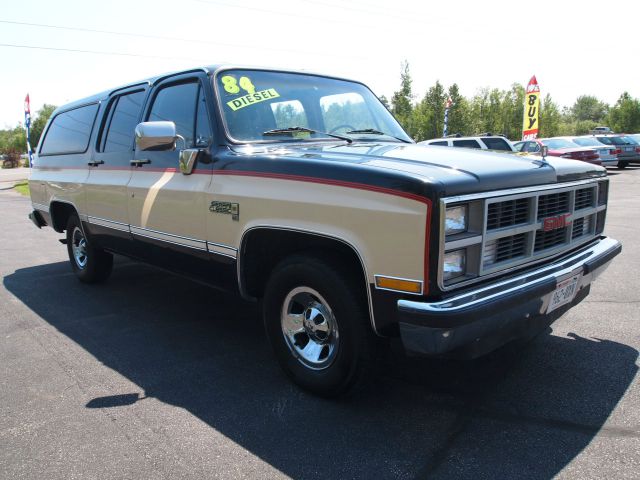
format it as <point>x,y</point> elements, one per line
<point>252,98</point>
<point>530,125</point>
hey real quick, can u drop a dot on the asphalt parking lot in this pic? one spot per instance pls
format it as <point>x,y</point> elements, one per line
<point>151,376</point>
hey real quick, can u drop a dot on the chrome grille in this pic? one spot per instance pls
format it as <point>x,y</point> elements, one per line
<point>553,204</point>
<point>508,213</point>
<point>514,228</point>
<point>549,239</point>
<point>584,198</point>
<point>581,226</point>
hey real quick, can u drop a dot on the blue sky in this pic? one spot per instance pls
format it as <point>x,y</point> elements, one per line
<point>573,48</point>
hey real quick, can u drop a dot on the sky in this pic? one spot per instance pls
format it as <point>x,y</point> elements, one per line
<point>573,47</point>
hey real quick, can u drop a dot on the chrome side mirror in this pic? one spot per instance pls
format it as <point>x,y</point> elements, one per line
<point>187,160</point>
<point>156,136</point>
<point>544,151</point>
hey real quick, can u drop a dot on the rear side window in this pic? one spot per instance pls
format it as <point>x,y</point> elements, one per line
<point>177,104</point>
<point>442,143</point>
<point>466,143</point>
<point>126,112</point>
<point>497,144</point>
<point>69,131</point>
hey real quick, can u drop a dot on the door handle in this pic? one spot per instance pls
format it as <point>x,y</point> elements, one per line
<point>139,163</point>
<point>95,163</point>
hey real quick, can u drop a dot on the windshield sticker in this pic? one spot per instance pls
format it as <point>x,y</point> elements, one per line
<point>252,98</point>
<point>231,84</point>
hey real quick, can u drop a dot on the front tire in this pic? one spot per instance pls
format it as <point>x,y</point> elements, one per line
<point>316,321</point>
<point>90,263</point>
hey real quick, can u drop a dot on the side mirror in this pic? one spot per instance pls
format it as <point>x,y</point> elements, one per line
<point>156,136</point>
<point>544,151</point>
<point>187,160</point>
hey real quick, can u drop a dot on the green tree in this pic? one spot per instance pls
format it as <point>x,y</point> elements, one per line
<point>428,118</point>
<point>13,142</point>
<point>39,122</point>
<point>402,100</point>
<point>588,107</point>
<point>550,118</point>
<point>385,102</point>
<point>458,113</point>
<point>624,116</point>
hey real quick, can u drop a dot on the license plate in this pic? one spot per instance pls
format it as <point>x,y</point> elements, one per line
<point>564,293</point>
<point>603,153</point>
<point>628,149</point>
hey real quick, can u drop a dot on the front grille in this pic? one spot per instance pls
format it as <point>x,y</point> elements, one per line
<point>581,226</point>
<point>514,228</point>
<point>553,204</point>
<point>549,239</point>
<point>584,198</point>
<point>508,213</point>
<point>505,248</point>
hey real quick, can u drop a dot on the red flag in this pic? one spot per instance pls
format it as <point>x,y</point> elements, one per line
<point>27,105</point>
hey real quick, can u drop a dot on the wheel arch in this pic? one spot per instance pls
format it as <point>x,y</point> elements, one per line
<point>60,211</point>
<point>254,266</point>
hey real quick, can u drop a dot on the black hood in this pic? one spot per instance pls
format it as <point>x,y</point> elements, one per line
<point>455,170</point>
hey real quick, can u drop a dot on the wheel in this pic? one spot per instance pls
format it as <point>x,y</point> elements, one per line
<point>90,264</point>
<point>622,165</point>
<point>316,321</point>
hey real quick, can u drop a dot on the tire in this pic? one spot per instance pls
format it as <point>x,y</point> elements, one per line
<point>90,264</point>
<point>622,165</point>
<point>316,319</point>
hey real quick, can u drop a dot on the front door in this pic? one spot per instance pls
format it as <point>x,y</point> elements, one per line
<point>167,209</point>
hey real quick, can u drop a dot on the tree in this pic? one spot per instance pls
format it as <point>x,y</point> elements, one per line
<point>402,100</point>
<point>459,112</point>
<point>39,122</point>
<point>13,142</point>
<point>428,116</point>
<point>587,107</point>
<point>550,118</point>
<point>385,102</point>
<point>624,116</point>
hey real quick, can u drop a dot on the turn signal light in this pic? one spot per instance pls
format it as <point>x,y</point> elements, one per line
<point>399,284</point>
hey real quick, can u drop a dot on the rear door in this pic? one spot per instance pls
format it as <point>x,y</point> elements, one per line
<point>110,169</point>
<point>167,209</point>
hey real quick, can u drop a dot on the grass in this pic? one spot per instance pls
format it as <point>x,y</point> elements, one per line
<point>22,187</point>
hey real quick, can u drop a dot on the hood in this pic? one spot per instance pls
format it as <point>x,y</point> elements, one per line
<point>456,170</point>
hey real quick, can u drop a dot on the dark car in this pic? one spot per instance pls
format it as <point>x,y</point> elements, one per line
<point>629,148</point>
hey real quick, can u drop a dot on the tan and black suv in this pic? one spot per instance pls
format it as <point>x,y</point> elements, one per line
<point>302,190</point>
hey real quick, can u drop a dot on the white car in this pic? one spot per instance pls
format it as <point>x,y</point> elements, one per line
<point>484,142</point>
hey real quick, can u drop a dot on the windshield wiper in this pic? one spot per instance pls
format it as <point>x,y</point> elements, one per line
<point>292,130</point>
<point>372,131</point>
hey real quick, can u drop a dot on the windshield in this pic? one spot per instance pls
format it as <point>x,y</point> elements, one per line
<point>587,142</point>
<point>612,140</point>
<point>260,106</point>
<point>556,143</point>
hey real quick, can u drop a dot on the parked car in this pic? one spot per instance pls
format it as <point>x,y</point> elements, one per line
<point>608,154</point>
<point>559,147</point>
<point>483,142</point>
<point>303,191</point>
<point>635,136</point>
<point>629,150</point>
<point>600,130</point>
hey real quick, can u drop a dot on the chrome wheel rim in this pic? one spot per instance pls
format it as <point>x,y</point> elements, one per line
<point>79,248</point>
<point>309,328</point>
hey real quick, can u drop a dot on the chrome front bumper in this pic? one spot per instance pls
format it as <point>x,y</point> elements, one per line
<point>501,311</point>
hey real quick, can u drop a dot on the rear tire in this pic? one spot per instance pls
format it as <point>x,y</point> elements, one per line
<point>316,319</point>
<point>622,165</point>
<point>90,263</point>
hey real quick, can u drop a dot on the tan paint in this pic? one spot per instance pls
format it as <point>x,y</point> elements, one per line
<point>152,193</point>
<point>388,231</point>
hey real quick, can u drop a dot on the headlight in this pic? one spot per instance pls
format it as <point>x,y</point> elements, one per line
<point>455,220</point>
<point>454,264</point>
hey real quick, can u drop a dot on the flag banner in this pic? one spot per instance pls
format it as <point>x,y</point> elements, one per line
<point>27,126</point>
<point>447,106</point>
<point>531,110</point>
